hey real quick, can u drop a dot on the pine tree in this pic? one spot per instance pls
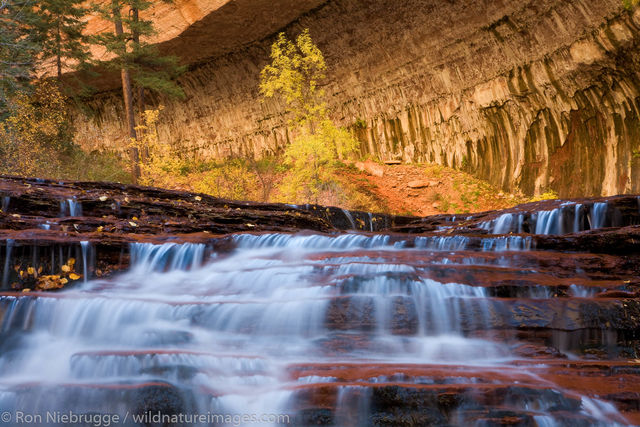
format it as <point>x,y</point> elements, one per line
<point>140,63</point>
<point>18,48</point>
<point>60,27</point>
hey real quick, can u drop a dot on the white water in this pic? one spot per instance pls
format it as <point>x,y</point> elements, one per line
<point>568,218</point>
<point>70,207</point>
<point>224,330</point>
<point>349,217</point>
<point>7,263</point>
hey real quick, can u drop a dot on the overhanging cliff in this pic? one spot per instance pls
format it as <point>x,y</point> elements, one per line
<point>533,95</point>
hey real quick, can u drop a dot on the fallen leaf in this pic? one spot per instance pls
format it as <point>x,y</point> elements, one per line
<point>74,276</point>
<point>66,268</point>
<point>26,290</point>
<point>71,261</point>
<point>31,271</point>
<point>198,198</point>
<point>133,224</point>
<point>103,198</point>
<point>51,282</point>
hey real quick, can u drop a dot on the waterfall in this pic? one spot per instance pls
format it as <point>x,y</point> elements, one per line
<point>349,217</point>
<point>442,243</point>
<point>598,215</point>
<point>510,243</point>
<point>70,207</point>
<point>86,248</point>
<point>568,218</point>
<point>148,257</point>
<point>503,224</point>
<point>7,263</point>
<point>251,330</point>
<point>549,222</point>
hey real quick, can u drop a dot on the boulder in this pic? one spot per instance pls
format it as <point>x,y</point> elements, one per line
<point>374,169</point>
<point>419,183</point>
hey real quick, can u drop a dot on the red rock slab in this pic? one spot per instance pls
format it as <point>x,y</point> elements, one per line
<point>491,398</point>
<point>486,392</point>
<point>609,380</point>
<point>561,265</point>
<point>363,371</point>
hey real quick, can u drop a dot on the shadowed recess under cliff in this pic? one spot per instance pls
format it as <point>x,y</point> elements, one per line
<point>530,95</point>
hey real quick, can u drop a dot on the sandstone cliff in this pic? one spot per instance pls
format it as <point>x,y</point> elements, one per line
<point>532,95</point>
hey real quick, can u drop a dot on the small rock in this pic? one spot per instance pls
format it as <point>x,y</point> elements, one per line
<point>392,162</point>
<point>434,183</point>
<point>435,205</point>
<point>370,167</point>
<point>418,184</point>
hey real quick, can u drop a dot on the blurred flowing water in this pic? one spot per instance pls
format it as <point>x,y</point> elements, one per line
<point>220,333</point>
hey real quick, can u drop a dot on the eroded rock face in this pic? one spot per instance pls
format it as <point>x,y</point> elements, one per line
<point>530,95</point>
<point>197,30</point>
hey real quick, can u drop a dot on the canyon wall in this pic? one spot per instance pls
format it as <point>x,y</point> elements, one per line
<point>530,95</point>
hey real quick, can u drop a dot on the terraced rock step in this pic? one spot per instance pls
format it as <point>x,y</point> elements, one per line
<point>119,298</point>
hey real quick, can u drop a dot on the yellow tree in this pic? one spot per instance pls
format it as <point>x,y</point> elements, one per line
<point>294,75</point>
<point>37,132</point>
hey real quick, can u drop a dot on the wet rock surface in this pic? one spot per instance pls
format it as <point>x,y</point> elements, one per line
<point>178,302</point>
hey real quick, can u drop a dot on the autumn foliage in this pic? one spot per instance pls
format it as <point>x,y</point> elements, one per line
<point>36,139</point>
<point>295,76</point>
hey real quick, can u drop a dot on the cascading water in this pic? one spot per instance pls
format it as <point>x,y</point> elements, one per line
<point>70,207</point>
<point>224,334</point>
<point>6,270</point>
<point>598,215</point>
<point>349,217</point>
<point>568,218</point>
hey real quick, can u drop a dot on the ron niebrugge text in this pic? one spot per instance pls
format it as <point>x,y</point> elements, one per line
<point>106,420</point>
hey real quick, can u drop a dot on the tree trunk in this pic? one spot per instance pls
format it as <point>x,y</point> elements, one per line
<point>59,52</point>
<point>127,95</point>
<point>141,102</point>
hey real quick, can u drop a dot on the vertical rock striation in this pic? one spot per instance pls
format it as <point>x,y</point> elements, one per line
<point>531,95</point>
